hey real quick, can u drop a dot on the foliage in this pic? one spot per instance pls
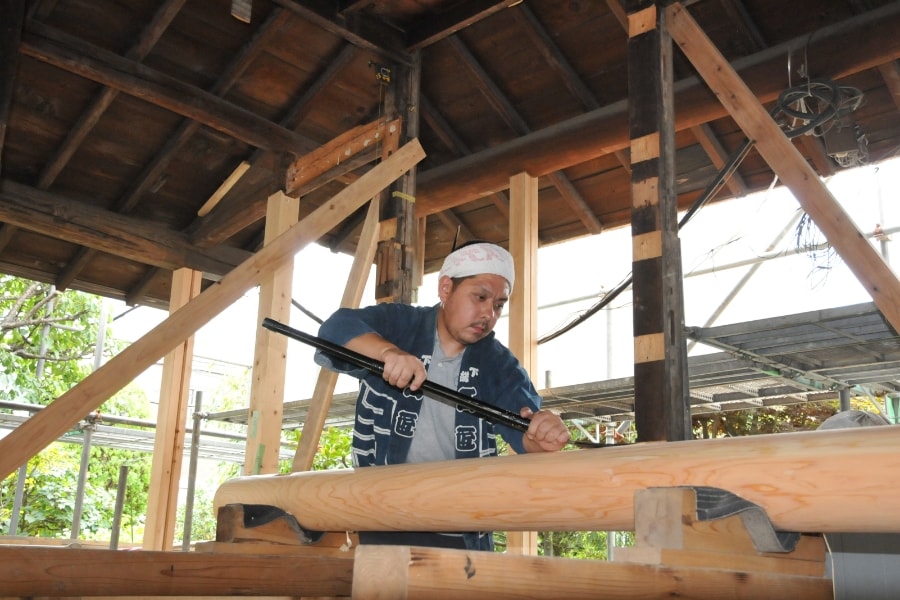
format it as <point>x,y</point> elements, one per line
<point>773,419</point>
<point>38,322</point>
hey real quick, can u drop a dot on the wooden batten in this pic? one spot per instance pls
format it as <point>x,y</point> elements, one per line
<point>322,393</point>
<point>803,481</point>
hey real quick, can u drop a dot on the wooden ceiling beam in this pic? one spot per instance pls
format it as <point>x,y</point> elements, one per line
<point>76,56</point>
<point>707,139</point>
<point>508,112</point>
<point>435,28</point>
<point>890,72</point>
<point>605,129</point>
<point>12,19</point>
<point>131,238</point>
<point>354,28</point>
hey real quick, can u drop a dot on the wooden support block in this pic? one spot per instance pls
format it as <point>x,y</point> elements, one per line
<point>277,533</point>
<point>668,532</point>
<point>409,573</point>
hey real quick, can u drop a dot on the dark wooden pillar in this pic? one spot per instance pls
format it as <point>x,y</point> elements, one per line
<point>396,254</point>
<point>662,408</point>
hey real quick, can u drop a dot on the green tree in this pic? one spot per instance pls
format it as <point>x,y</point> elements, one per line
<point>46,339</point>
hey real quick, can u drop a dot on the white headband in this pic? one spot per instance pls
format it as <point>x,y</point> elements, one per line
<point>480,259</point>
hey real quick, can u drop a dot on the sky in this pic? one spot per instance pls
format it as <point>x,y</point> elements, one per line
<point>573,275</point>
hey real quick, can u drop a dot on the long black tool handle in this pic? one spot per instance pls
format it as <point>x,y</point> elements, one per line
<point>493,414</point>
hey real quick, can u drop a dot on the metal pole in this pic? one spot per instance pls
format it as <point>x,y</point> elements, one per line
<point>17,501</point>
<point>844,398</point>
<point>101,335</point>
<point>120,503</point>
<point>192,473</point>
<point>45,332</point>
<point>88,430</point>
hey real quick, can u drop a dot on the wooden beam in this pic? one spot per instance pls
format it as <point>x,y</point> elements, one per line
<point>413,573</point>
<point>605,130</point>
<point>56,419</point>
<point>787,162</point>
<point>120,235</point>
<point>261,453</point>
<point>353,291</point>
<point>171,424</point>
<point>69,572</point>
<point>803,481</point>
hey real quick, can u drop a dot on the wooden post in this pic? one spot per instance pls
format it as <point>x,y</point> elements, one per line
<point>869,267</point>
<point>270,354</point>
<point>661,405</point>
<point>412,573</point>
<point>171,421</point>
<point>523,245</point>
<point>804,481</point>
<point>322,394</point>
<point>396,263</point>
<point>44,427</point>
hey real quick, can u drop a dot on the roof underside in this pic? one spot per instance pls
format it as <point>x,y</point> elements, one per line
<point>126,118</point>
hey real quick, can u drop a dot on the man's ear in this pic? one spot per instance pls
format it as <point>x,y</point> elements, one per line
<point>445,286</point>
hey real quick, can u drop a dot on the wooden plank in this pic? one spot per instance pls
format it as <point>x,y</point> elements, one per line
<point>324,390</point>
<point>171,423</point>
<point>389,572</point>
<point>65,411</point>
<point>270,348</point>
<point>804,481</point>
<point>362,139</point>
<point>783,157</point>
<point>63,572</point>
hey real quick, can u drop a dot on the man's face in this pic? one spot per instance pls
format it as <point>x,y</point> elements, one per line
<point>472,307</point>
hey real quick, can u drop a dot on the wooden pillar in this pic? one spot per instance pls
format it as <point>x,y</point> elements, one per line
<point>171,421</point>
<point>270,354</point>
<point>661,405</point>
<point>395,280</point>
<point>523,245</point>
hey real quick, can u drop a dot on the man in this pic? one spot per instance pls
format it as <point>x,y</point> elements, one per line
<point>454,345</point>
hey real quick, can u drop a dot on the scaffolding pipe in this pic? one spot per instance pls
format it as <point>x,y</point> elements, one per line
<point>192,473</point>
<point>120,504</point>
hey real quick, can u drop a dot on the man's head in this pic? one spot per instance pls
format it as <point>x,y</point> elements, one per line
<point>474,286</point>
